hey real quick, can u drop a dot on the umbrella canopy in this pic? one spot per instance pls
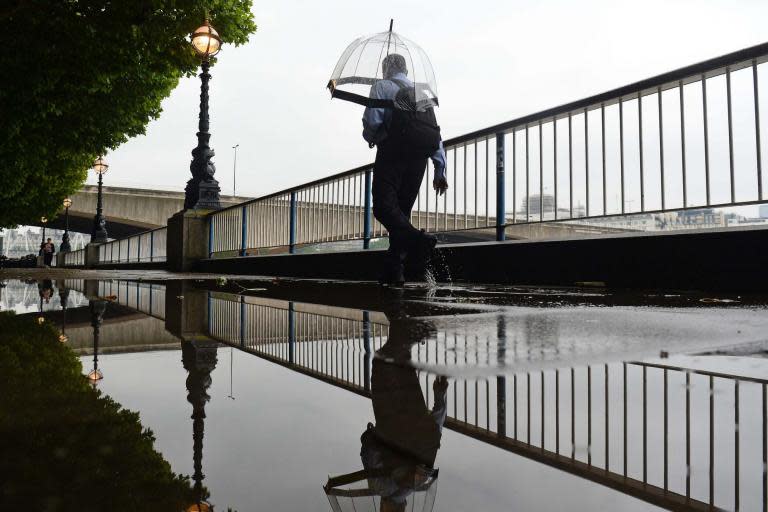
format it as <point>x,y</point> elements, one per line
<point>373,58</point>
<point>358,492</point>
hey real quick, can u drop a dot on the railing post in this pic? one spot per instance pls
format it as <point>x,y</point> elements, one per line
<point>367,210</point>
<point>138,250</point>
<point>244,232</point>
<point>500,207</point>
<point>368,353</point>
<point>292,228</point>
<point>242,321</point>
<point>210,236</point>
<point>291,333</point>
<point>151,245</point>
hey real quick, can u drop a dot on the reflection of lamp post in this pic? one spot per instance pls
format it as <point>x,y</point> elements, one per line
<point>99,233</point>
<point>65,247</point>
<point>63,299</point>
<point>199,359</point>
<point>40,317</point>
<point>98,307</point>
<point>202,190</point>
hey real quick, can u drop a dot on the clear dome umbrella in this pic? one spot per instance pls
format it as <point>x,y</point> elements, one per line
<point>365,61</point>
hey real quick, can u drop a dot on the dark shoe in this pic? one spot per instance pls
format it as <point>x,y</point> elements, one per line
<point>421,252</point>
<point>392,276</point>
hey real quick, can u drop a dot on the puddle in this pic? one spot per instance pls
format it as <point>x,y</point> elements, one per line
<point>300,396</point>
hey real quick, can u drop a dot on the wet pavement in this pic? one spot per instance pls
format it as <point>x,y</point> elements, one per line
<point>275,394</point>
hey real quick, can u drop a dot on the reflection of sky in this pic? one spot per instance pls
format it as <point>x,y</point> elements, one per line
<point>273,447</point>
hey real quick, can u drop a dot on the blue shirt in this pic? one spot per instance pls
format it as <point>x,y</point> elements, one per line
<point>376,120</point>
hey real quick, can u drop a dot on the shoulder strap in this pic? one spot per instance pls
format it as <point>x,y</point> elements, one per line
<point>400,83</point>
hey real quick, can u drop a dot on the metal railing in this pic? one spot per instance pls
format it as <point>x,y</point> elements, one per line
<point>674,436</point>
<point>686,139</point>
<point>148,246</point>
<point>74,258</point>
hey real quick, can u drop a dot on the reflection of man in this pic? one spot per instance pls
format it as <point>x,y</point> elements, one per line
<point>405,140</point>
<point>401,448</point>
<point>398,452</point>
<point>45,290</point>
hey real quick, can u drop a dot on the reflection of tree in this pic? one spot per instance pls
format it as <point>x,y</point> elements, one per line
<point>64,445</point>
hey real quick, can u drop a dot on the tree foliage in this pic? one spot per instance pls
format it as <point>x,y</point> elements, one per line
<point>65,446</point>
<point>81,77</point>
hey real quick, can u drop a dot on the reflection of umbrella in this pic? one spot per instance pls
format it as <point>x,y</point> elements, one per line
<point>357,492</point>
<point>360,66</point>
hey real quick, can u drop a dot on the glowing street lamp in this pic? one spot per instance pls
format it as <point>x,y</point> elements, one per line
<point>202,190</point>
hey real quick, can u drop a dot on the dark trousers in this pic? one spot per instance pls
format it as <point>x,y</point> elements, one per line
<point>48,258</point>
<point>396,185</point>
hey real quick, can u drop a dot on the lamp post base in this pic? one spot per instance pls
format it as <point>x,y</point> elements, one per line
<point>208,195</point>
<point>65,246</point>
<point>99,237</point>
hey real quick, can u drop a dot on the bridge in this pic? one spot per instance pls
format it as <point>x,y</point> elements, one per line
<point>569,194</point>
<point>128,211</point>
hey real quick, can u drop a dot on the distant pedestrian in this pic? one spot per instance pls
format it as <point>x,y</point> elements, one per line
<point>47,249</point>
<point>405,139</point>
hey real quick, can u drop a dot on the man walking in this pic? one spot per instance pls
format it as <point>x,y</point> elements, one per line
<point>405,140</point>
<point>48,249</point>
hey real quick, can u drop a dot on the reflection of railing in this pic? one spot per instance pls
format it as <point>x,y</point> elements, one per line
<point>673,436</point>
<point>690,138</point>
<point>145,297</point>
<point>74,258</point>
<point>149,246</point>
<point>334,343</point>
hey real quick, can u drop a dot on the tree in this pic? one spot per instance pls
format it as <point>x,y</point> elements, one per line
<point>81,77</point>
<point>64,445</point>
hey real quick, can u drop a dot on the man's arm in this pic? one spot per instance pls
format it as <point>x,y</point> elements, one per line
<point>374,119</point>
<point>440,183</point>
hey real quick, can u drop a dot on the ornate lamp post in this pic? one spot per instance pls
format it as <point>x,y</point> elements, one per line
<point>202,190</point>
<point>65,247</point>
<point>99,233</point>
<point>43,221</point>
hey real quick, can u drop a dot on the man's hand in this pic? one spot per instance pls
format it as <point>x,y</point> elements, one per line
<point>440,184</point>
<point>440,385</point>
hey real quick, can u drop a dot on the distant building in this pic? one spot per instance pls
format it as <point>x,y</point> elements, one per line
<point>535,204</point>
<point>15,243</point>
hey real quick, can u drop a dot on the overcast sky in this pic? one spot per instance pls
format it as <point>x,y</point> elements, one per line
<point>494,61</point>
